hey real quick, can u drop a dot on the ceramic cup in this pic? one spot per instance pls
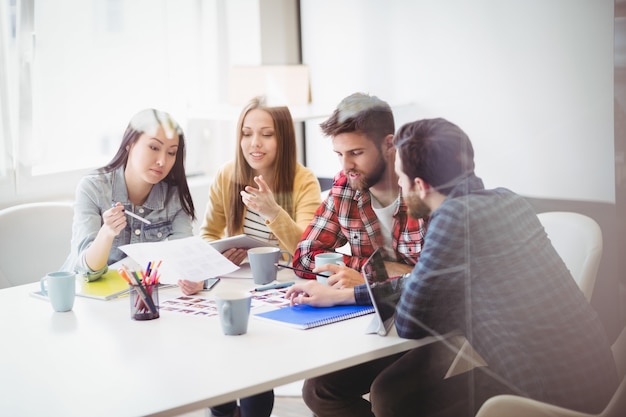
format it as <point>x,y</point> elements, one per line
<point>263,262</point>
<point>234,310</point>
<point>60,287</point>
<point>327,258</point>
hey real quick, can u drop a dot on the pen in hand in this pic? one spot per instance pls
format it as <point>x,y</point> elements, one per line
<point>301,270</point>
<point>131,214</point>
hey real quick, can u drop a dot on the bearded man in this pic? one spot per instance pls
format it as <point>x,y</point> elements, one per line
<point>488,272</point>
<point>364,209</point>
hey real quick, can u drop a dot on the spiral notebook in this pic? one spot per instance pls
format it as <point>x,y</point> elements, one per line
<point>305,317</point>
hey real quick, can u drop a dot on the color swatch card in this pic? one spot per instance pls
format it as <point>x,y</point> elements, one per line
<point>195,305</point>
<point>305,317</point>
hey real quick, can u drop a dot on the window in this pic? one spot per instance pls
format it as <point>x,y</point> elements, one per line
<point>76,71</point>
<point>7,53</point>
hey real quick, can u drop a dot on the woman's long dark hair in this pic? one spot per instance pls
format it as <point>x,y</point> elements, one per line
<point>284,165</point>
<point>150,120</point>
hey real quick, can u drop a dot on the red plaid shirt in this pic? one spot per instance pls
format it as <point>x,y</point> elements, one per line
<point>347,216</point>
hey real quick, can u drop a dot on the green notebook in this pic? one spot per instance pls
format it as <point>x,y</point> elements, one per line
<point>110,285</point>
<point>107,287</point>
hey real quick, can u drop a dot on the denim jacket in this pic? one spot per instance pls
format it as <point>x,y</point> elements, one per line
<point>97,192</point>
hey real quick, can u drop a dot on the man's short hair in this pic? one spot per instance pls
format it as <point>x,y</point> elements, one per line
<point>435,150</point>
<point>361,113</point>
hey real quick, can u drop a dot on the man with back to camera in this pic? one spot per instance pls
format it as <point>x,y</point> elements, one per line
<point>488,271</point>
<point>364,208</point>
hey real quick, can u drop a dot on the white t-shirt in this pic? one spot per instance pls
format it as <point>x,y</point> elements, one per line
<point>385,218</point>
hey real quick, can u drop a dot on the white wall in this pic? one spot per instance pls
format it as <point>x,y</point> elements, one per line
<point>530,81</point>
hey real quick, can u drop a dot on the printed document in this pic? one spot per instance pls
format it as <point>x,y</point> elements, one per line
<point>191,258</point>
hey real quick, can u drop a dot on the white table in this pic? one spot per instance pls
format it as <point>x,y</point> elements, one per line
<point>96,361</point>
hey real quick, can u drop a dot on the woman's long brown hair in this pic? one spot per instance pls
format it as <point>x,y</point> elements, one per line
<point>284,165</point>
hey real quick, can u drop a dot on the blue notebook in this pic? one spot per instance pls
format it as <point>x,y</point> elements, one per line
<point>306,317</point>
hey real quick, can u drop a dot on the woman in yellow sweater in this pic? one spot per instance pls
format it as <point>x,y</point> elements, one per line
<point>265,192</point>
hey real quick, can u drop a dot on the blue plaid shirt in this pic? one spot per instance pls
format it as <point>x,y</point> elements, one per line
<point>487,269</point>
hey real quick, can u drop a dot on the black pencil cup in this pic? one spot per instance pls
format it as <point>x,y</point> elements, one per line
<point>144,302</point>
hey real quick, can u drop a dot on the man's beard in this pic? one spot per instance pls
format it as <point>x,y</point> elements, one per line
<point>365,180</point>
<point>416,206</point>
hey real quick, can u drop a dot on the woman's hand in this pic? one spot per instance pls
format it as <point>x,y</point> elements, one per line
<point>190,287</point>
<point>261,200</point>
<point>114,220</point>
<point>236,255</point>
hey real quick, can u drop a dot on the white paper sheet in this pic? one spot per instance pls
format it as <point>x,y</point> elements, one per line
<point>244,272</point>
<point>190,258</point>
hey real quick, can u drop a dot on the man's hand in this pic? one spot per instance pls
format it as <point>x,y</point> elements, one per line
<point>342,276</point>
<point>395,269</point>
<point>319,295</point>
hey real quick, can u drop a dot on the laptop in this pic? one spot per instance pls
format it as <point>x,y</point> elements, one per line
<point>383,292</point>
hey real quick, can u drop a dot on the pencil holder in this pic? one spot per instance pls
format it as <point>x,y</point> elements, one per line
<point>144,302</point>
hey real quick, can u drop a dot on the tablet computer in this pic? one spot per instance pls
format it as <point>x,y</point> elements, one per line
<point>384,293</point>
<point>239,241</point>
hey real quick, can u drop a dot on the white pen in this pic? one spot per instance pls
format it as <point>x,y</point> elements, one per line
<point>131,214</point>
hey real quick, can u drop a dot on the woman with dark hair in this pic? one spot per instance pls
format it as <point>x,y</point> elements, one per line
<point>141,195</point>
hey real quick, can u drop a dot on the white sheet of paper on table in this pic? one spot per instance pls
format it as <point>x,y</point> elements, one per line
<point>191,258</point>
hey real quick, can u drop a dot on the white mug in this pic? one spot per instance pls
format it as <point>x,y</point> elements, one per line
<point>325,259</point>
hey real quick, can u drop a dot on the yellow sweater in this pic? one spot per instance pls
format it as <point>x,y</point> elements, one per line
<point>288,231</point>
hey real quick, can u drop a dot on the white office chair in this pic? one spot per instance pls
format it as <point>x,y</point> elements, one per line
<point>515,406</point>
<point>34,240</point>
<point>578,241</point>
